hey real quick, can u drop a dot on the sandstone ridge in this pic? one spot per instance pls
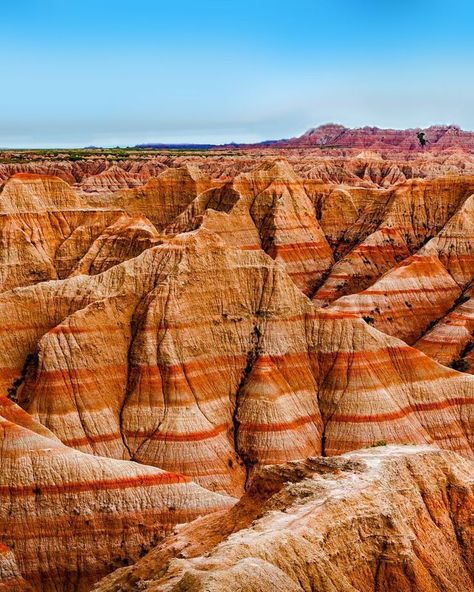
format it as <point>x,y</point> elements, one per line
<point>382,519</point>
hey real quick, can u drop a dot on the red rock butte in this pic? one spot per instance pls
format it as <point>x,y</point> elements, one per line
<point>245,369</point>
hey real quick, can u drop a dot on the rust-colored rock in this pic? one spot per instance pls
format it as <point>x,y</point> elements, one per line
<point>440,137</point>
<point>173,330</point>
<point>68,517</point>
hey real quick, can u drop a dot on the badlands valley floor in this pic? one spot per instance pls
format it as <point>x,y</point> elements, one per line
<point>237,370</point>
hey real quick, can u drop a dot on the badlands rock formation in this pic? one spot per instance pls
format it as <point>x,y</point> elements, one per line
<point>386,519</point>
<point>440,137</point>
<point>48,232</point>
<point>163,342</point>
<point>163,198</point>
<point>152,355</point>
<point>66,517</point>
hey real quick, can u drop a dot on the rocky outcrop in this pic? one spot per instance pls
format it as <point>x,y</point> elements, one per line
<point>383,519</point>
<point>386,227</point>
<point>112,178</point>
<point>439,137</point>
<point>27,193</point>
<point>406,300</point>
<point>451,340</point>
<point>153,359</point>
<point>67,518</point>
<point>268,209</point>
<point>163,198</point>
<point>165,342</point>
<point>81,172</point>
<point>46,246</point>
<point>48,232</point>
<point>285,219</point>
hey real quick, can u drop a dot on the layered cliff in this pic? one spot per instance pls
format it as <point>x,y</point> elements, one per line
<point>48,232</point>
<point>438,137</point>
<point>153,355</point>
<point>164,197</point>
<point>162,343</point>
<point>66,517</point>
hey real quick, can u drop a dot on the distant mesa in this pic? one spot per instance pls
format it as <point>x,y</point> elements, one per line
<point>332,135</point>
<point>338,136</point>
<point>160,146</point>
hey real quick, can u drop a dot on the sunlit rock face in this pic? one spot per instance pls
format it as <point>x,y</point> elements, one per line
<point>389,518</point>
<point>169,332</point>
<point>67,517</point>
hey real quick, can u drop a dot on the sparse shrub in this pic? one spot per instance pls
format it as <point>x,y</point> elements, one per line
<point>460,364</point>
<point>378,443</point>
<point>461,300</point>
<point>369,320</point>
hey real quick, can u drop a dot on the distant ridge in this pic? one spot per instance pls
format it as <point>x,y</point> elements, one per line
<point>158,146</point>
<point>332,135</point>
<point>339,136</point>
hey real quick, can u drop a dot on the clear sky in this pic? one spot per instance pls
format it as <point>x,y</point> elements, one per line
<point>106,72</point>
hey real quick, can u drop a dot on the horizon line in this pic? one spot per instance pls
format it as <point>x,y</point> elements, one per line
<point>203,144</point>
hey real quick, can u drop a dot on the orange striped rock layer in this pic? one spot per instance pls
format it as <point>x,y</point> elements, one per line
<point>182,331</point>
<point>47,232</point>
<point>156,362</point>
<point>67,518</point>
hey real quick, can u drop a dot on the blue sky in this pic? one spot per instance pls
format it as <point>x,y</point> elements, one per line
<point>122,72</point>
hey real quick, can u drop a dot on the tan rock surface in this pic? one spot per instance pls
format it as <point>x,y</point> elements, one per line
<point>26,193</point>
<point>163,198</point>
<point>48,232</point>
<point>11,579</point>
<point>383,519</point>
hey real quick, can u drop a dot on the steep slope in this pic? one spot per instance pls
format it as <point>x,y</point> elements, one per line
<point>286,221</point>
<point>124,239</point>
<point>82,172</point>
<point>454,244</point>
<point>69,518</point>
<point>269,209</point>
<point>400,222</point>
<point>163,198</point>
<point>155,361</point>
<point>27,192</point>
<point>221,199</point>
<point>451,340</point>
<point>386,519</point>
<point>406,300</point>
<point>47,231</point>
